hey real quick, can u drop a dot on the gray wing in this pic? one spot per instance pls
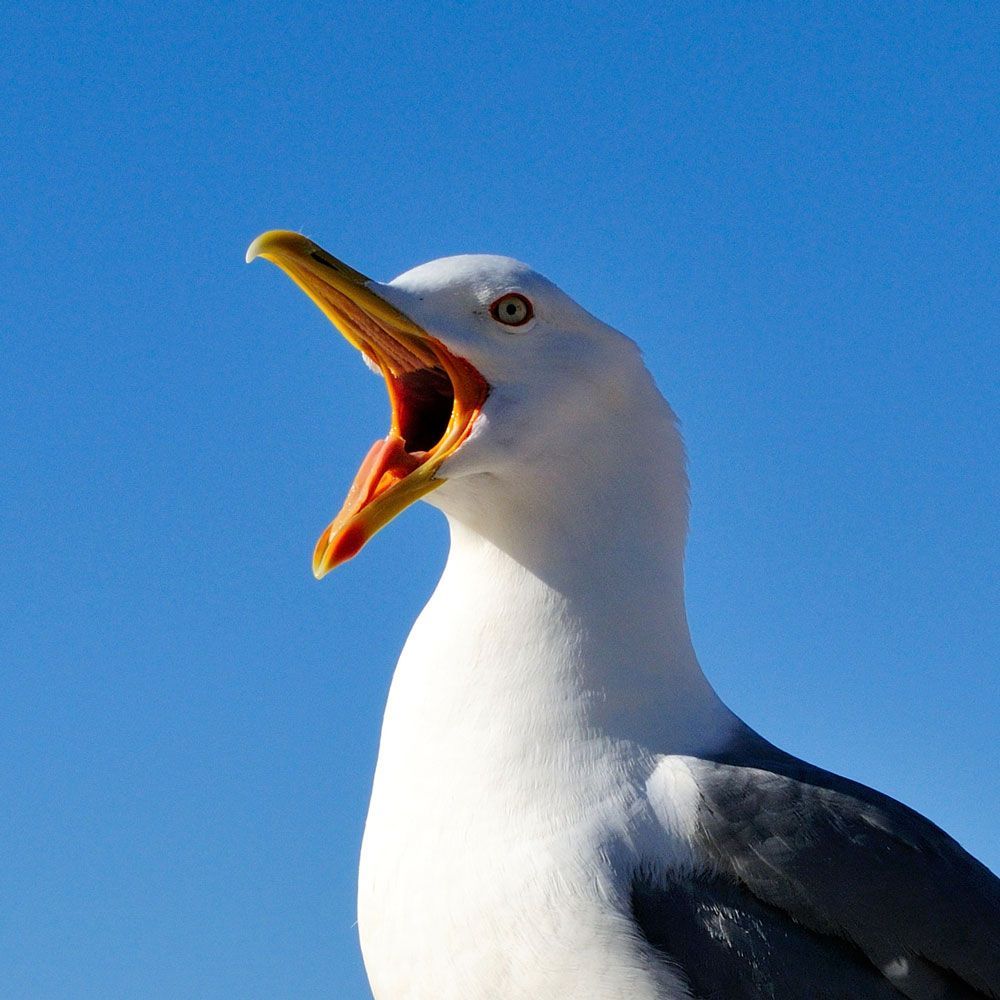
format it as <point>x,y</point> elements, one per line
<point>819,887</point>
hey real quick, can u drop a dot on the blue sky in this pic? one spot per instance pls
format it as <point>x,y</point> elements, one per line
<point>792,207</point>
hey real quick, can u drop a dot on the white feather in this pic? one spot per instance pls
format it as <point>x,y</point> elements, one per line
<point>528,761</point>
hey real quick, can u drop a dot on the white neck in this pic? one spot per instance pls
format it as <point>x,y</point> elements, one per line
<point>550,669</point>
<point>574,598</point>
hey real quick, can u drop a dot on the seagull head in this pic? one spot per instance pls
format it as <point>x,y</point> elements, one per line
<point>497,380</point>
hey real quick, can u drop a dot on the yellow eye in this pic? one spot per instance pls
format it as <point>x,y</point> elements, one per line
<point>512,310</point>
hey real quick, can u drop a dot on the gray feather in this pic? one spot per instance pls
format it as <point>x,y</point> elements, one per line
<point>811,871</point>
<point>730,946</point>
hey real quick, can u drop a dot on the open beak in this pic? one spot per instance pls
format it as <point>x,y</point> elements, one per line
<point>435,395</point>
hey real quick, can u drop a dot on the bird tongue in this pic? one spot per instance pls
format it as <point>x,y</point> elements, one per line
<point>386,463</point>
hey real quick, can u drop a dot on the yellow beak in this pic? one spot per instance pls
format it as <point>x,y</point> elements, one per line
<point>435,395</point>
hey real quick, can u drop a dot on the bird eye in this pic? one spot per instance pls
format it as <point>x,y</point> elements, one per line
<point>512,310</point>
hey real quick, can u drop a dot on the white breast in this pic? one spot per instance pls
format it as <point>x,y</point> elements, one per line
<point>502,831</point>
<point>465,896</point>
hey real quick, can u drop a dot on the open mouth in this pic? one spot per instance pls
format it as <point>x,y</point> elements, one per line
<point>422,404</point>
<point>435,395</point>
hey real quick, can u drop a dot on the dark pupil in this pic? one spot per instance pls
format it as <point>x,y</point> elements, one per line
<point>511,308</point>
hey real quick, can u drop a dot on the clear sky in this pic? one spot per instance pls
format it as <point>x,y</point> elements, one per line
<point>792,207</point>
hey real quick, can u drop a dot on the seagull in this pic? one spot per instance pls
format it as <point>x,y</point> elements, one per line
<point>563,808</point>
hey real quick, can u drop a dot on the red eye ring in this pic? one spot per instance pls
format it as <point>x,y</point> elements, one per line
<point>512,309</point>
